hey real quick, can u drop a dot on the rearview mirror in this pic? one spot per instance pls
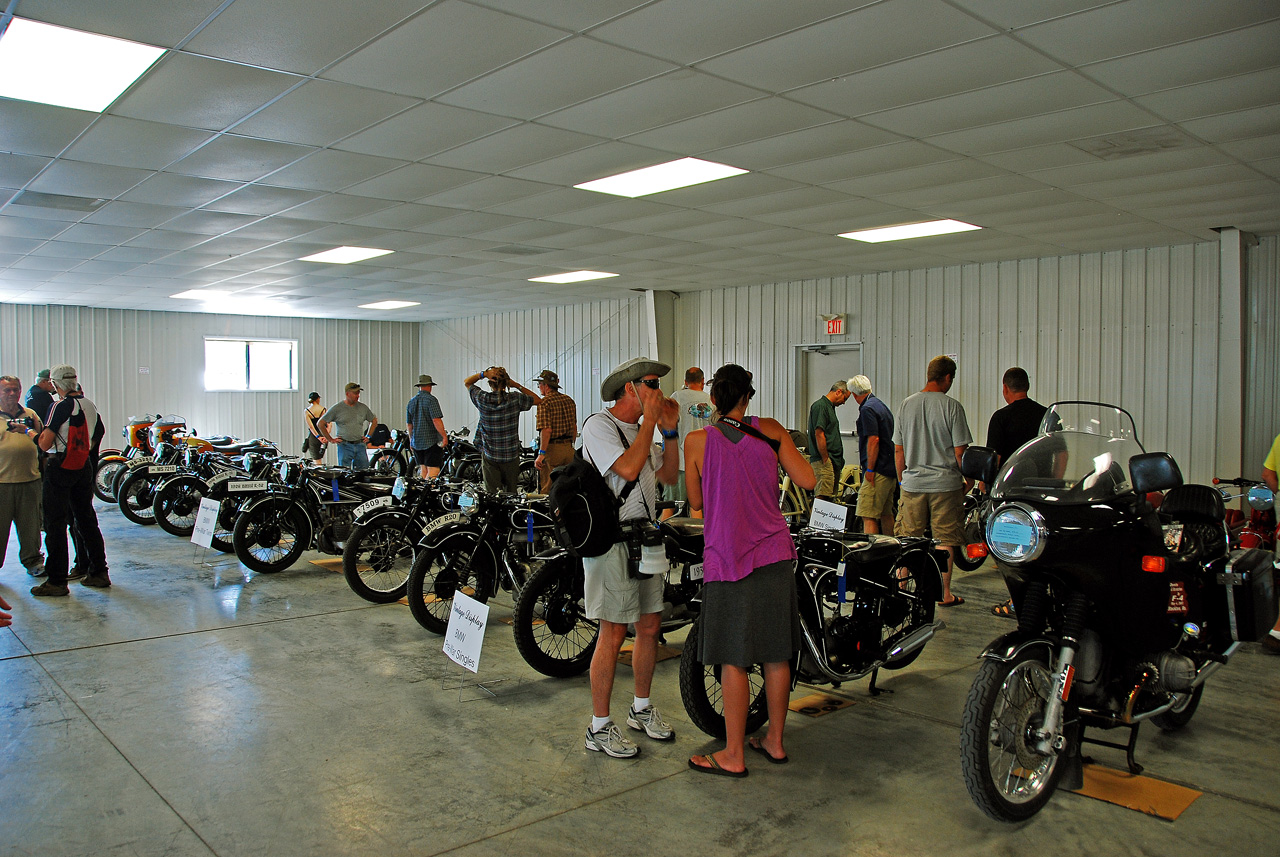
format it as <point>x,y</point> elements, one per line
<point>979,464</point>
<point>1261,498</point>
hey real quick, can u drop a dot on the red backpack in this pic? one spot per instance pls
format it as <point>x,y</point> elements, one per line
<point>76,455</point>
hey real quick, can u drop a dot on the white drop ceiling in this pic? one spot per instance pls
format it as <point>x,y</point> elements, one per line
<point>452,132</point>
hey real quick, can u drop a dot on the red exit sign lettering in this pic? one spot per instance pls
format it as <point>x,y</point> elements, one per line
<point>835,326</point>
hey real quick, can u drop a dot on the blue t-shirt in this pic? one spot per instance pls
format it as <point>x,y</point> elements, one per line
<point>421,413</point>
<point>874,420</point>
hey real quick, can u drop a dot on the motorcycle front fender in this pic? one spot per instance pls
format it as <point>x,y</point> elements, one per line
<point>272,496</point>
<point>1008,646</point>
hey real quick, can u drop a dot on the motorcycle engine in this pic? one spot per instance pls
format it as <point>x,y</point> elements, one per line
<point>1171,673</point>
<point>853,637</point>
<point>335,532</point>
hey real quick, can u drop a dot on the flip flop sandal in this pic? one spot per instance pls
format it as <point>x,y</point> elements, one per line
<point>713,767</point>
<point>1005,610</point>
<point>955,601</point>
<point>758,746</point>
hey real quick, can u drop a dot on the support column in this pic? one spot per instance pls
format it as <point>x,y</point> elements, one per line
<point>1231,356</point>
<point>661,311</point>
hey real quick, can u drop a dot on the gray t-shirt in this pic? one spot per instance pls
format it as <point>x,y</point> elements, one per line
<point>350,420</point>
<point>695,413</point>
<point>602,446</point>
<point>929,427</point>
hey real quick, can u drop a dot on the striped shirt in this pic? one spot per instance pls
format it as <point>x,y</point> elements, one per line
<point>559,415</point>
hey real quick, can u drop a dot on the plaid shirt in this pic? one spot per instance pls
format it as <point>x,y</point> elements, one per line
<point>499,424</point>
<point>558,413</point>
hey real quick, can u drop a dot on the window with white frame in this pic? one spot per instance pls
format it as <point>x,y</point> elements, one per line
<point>250,364</point>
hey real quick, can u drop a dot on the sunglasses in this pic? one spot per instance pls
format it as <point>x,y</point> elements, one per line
<point>651,383</point>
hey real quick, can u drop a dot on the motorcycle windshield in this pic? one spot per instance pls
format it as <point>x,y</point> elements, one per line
<point>1081,456</point>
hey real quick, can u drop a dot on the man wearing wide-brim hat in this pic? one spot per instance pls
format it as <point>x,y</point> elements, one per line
<point>618,591</point>
<point>427,434</point>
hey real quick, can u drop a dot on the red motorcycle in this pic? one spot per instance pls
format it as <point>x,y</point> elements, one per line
<point>1259,529</point>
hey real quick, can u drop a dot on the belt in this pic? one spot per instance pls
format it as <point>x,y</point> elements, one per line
<point>565,439</point>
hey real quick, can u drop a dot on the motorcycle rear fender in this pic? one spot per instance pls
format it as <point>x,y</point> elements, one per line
<point>1008,646</point>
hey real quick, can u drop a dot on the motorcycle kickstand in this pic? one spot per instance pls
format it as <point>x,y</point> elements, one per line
<point>1128,747</point>
<point>876,691</point>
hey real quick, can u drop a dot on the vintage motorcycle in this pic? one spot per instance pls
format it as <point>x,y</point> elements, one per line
<point>112,462</point>
<point>308,507</point>
<point>552,632</point>
<point>386,534</point>
<point>1259,529</point>
<point>177,499</point>
<point>491,542</point>
<point>866,603</point>
<point>1123,611</point>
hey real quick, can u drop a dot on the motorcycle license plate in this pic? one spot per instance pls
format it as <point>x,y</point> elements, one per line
<point>370,505</point>
<point>163,468</point>
<point>218,479</point>
<point>695,571</point>
<point>247,486</point>
<point>1172,537</point>
<point>140,461</point>
<point>443,521</point>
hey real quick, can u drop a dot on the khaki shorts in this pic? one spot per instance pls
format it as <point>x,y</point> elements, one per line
<point>826,478</point>
<point>613,596</point>
<point>876,498</point>
<point>943,512</point>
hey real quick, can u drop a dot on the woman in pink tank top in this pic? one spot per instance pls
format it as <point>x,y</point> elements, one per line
<point>749,613</point>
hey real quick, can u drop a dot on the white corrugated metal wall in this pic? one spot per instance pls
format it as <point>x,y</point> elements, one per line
<point>109,347</point>
<point>1261,317</point>
<point>1136,328</point>
<point>580,342</point>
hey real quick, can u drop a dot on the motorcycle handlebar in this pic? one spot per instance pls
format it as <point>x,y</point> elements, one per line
<point>1243,483</point>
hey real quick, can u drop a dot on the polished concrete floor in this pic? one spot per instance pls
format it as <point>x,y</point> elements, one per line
<point>192,710</point>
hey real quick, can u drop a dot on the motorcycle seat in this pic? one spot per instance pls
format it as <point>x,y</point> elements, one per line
<point>1193,502</point>
<point>876,548</point>
<point>683,527</point>
<point>237,448</point>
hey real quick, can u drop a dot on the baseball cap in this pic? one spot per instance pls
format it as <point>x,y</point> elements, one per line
<point>62,373</point>
<point>352,386</point>
<point>546,376</point>
<point>42,375</point>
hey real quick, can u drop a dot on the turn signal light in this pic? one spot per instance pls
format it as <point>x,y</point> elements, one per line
<point>1153,563</point>
<point>976,551</point>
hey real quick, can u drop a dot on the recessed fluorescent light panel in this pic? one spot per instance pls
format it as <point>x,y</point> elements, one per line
<point>345,255</point>
<point>202,295</point>
<point>660,177</point>
<point>68,68</point>
<point>573,277</point>
<point>390,305</point>
<point>910,230</point>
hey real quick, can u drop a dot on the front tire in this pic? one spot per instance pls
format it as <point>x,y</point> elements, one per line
<point>270,536</point>
<point>552,631</point>
<point>388,463</point>
<point>438,572</point>
<point>137,492</point>
<point>703,698</point>
<point>177,505</point>
<point>377,558</point>
<point>1004,776</point>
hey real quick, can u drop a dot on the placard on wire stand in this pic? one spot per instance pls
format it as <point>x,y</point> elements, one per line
<point>202,537</point>
<point>463,641</point>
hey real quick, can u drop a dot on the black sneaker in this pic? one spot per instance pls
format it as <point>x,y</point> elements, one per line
<point>75,573</point>
<point>97,581</point>
<point>48,588</point>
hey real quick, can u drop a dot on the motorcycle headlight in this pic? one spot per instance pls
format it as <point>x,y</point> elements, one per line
<point>1016,534</point>
<point>399,488</point>
<point>468,500</point>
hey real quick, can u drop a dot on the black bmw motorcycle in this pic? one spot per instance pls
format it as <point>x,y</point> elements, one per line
<point>1124,608</point>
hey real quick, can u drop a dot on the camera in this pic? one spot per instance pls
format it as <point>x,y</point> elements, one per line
<point>638,536</point>
<point>21,424</point>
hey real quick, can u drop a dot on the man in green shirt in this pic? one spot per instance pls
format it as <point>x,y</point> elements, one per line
<point>826,450</point>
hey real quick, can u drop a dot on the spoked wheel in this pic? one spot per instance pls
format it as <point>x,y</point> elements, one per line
<point>438,572</point>
<point>271,535</point>
<point>702,695</point>
<point>104,477</point>
<point>1006,777</point>
<point>137,492</point>
<point>177,504</point>
<point>469,471</point>
<point>553,633</point>
<point>387,462</point>
<point>1178,716</point>
<point>920,586</point>
<point>224,530</point>
<point>792,509</point>
<point>530,478</point>
<point>377,558</point>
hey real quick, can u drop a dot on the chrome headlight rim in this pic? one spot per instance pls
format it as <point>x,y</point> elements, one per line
<point>1033,519</point>
<point>468,500</point>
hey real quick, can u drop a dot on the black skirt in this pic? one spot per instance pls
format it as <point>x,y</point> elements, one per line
<point>751,621</point>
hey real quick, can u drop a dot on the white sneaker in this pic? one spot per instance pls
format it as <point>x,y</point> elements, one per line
<point>651,723</point>
<point>37,570</point>
<point>612,742</point>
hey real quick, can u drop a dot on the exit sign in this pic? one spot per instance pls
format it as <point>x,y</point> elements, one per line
<point>835,326</point>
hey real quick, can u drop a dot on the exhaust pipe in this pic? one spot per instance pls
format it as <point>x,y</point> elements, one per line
<point>914,640</point>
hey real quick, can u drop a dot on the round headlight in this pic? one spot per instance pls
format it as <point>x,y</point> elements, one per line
<point>1016,533</point>
<point>468,500</point>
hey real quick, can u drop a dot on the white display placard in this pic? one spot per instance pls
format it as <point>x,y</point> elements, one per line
<point>828,515</point>
<point>206,523</point>
<point>465,635</point>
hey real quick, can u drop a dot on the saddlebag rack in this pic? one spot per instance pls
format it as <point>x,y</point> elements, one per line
<point>1250,596</point>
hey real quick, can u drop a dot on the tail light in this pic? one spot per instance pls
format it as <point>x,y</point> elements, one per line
<point>1153,564</point>
<point>976,551</point>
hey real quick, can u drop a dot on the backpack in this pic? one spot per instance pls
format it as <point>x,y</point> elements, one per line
<point>76,455</point>
<point>380,436</point>
<point>584,509</point>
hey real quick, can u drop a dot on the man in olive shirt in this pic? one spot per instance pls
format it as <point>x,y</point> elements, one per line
<point>20,488</point>
<point>350,416</point>
<point>826,450</point>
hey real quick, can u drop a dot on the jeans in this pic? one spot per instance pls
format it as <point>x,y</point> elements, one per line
<point>353,454</point>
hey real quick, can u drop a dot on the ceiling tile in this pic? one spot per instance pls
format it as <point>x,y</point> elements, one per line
<point>1253,147</point>
<point>238,158</point>
<point>858,40</point>
<point>1127,28</point>
<point>486,192</point>
<point>523,144</point>
<point>133,214</point>
<point>200,93</point>
<point>595,162</point>
<point>338,207</point>
<point>1218,96</point>
<point>733,125</point>
<point>170,189</point>
<point>321,112</point>
<point>1032,158</point>
<point>125,142</point>
<point>251,31</point>
<point>915,178</point>
<point>135,20</point>
<point>775,203</point>
<point>424,130</point>
<point>685,31</point>
<point>931,199</point>
<point>412,181</point>
<point>17,170</point>
<point>38,129</point>
<point>209,222</point>
<point>549,204</point>
<point>1076,124</point>
<point>448,44</point>
<point>836,138</point>
<point>837,168</point>
<point>88,180</point>
<point>67,249</point>
<point>553,79</point>
<point>331,170</point>
<point>1240,125</point>
<point>262,199</point>
<point>12,226</point>
<point>406,216</point>
<point>1159,163</point>
<point>92,233</point>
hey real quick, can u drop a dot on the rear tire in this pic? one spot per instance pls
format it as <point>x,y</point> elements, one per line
<point>104,477</point>
<point>388,463</point>
<point>1176,718</point>
<point>552,631</point>
<point>377,558</point>
<point>530,479</point>
<point>438,572</point>
<point>703,698</point>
